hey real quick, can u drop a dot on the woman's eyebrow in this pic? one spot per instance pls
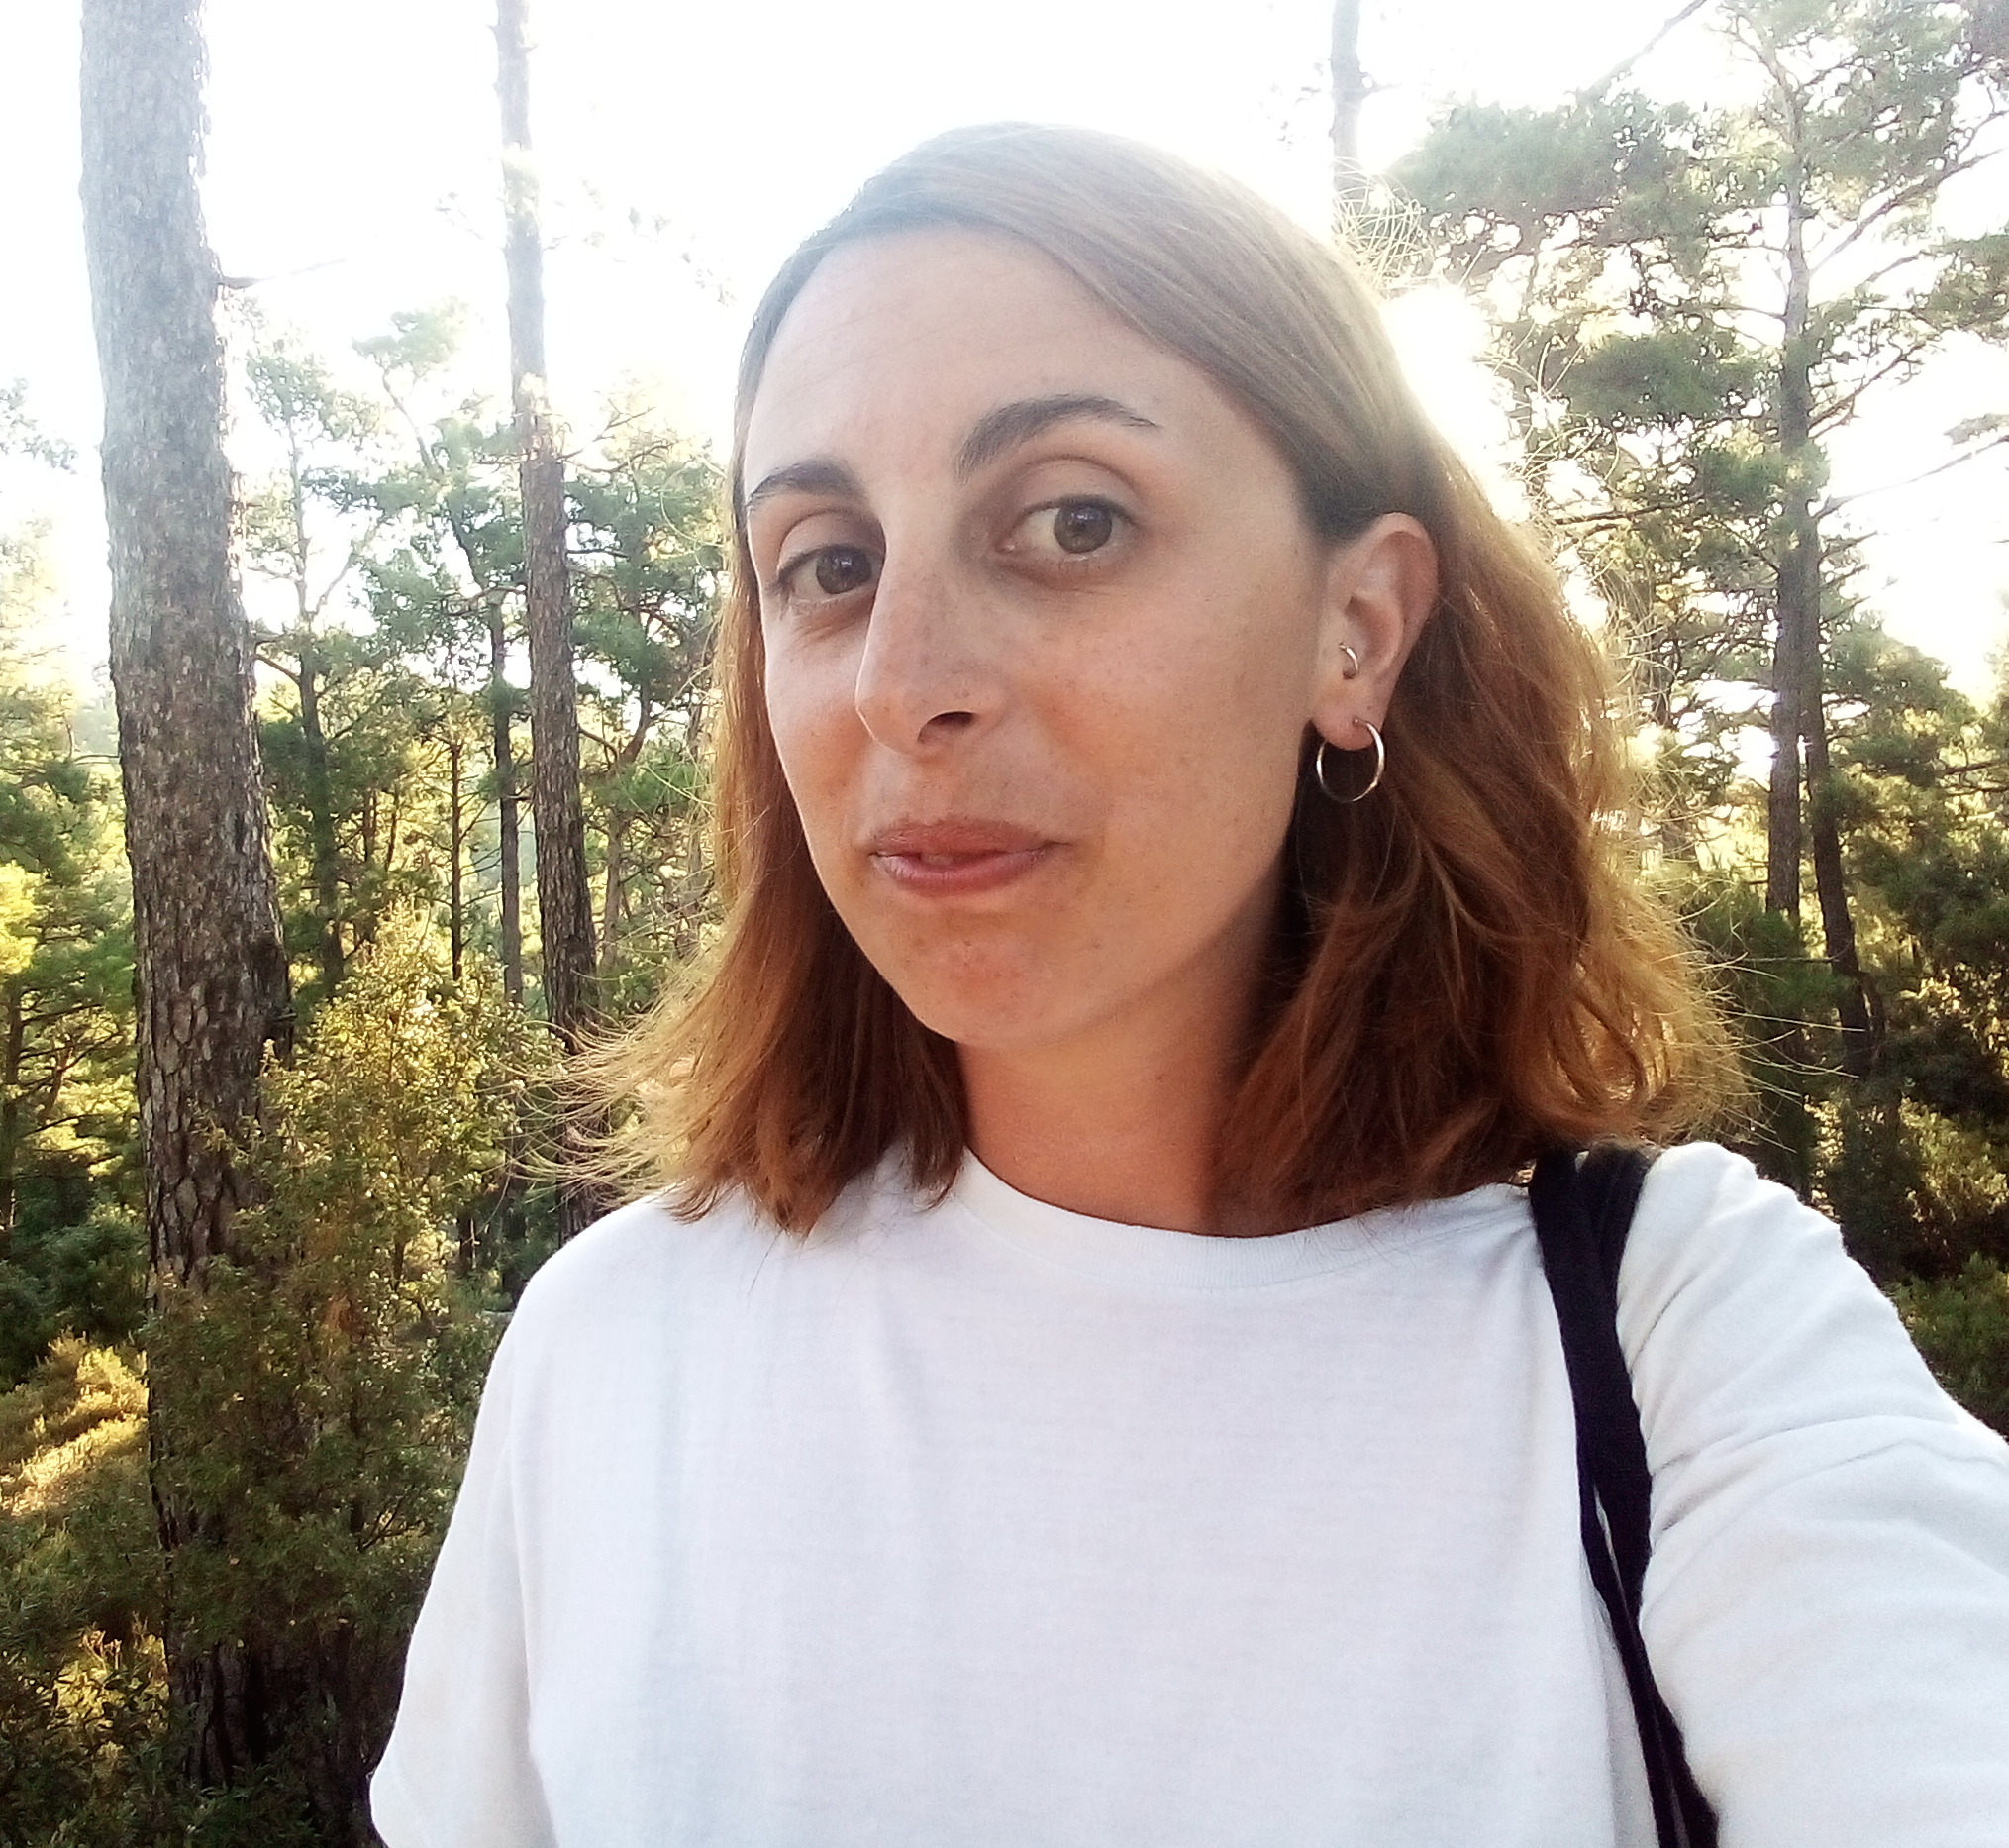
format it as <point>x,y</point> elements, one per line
<point>993,433</point>
<point>820,474</point>
<point>1020,421</point>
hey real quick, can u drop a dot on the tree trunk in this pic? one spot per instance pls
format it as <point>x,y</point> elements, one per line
<point>565,899</point>
<point>326,872</point>
<point>610,903</point>
<point>1782,800</point>
<point>1350,96</point>
<point>456,841</point>
<point>1797,644</point>
<point>509,842</point>
<point>1799,723</point>
<point>10,1114</point>
<point>320,791</point>
<point>390,842</point>
<point>1838,928</point>
<point>210,974</point>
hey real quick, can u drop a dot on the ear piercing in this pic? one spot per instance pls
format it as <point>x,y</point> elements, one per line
<point>1318,766</point>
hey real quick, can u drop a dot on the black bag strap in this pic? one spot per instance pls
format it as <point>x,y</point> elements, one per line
<point>1582,1207</point>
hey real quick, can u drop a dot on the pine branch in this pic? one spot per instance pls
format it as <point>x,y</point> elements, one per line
<point>1596,92</point>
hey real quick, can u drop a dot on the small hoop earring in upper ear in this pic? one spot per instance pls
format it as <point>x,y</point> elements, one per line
<point>1352,672</point>
<point>1318,766</point>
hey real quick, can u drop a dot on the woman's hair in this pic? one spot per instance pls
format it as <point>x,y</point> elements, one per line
<point>1464,973</point>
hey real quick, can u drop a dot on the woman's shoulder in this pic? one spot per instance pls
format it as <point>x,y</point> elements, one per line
<point>1827,1604</point>
<point>1709,1223</point>
<point>1739,1306</point>
<point>646,1260</point>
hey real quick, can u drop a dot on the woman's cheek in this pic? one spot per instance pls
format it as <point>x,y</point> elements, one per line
<point>807,724</point>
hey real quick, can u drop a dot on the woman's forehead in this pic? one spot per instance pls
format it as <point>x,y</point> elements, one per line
<point>912,338</point>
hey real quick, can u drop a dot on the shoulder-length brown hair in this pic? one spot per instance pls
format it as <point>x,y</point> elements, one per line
<point>1464,971</point>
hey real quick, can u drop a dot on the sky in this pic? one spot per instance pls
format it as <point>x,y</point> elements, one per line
<point>351,171</point>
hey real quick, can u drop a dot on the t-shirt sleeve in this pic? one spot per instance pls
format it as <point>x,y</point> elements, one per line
<point>457,1770</point>
<point>1827,1606</point>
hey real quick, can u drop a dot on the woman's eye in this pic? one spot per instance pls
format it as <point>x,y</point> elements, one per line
<point>1083,525</point>
<point>840,570</point>
<point>837,569</point>
<point>1069,527</point>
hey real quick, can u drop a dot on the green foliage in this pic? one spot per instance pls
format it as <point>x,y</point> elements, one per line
<point>1630,255</point>
<point>318,1390</point>
<point>67,1256</point>
<point>1638,263</point>
<point>86,1280</point>
<point>1962,1327</point>
<point>1768,985</point>
<point>48,799</point>
<point>83,1695</point>
<point>316,1399</point>
<point>649,553</point>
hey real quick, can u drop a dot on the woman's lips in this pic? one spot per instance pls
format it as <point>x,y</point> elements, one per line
<point>943,858</point>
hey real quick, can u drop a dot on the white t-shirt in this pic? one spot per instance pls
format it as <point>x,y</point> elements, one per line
<point>987,1524</point>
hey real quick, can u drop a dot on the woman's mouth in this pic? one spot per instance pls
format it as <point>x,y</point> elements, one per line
<point>951,858</point>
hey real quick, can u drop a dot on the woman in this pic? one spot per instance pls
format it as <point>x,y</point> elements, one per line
<point>1103,1390</point>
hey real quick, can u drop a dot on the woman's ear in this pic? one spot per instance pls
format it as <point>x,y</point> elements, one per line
<point>1380,589</point>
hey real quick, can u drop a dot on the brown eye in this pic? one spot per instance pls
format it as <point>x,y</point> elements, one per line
<point>1083,525</point>
<point>840,570</point>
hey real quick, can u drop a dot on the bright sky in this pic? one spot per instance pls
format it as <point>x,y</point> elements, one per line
<point>352,161</point>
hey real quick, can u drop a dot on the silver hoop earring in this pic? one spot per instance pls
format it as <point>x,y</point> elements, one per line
<point>1352,672</point>
<point>1318,766</point>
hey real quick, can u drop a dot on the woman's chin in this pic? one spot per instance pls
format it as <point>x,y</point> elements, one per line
<point>999,1016</point>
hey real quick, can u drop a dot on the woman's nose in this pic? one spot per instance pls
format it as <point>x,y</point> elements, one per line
<point>930,672</point>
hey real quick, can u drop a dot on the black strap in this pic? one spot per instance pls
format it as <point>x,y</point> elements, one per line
<point>1583,1209</point>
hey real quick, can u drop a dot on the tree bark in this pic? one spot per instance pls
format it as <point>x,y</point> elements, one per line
<point>610,904</point>
<point>564,897</point>
<point>1350,96</point>
<point>319,785</point>
<point>508,830</point>
<point>10,1112</point>
<point>318,776</point>
<point>1796,644</point>
<point>456,841</point>
<point>1799,722</point>
<point>1831,888</point>
<point>211,978</point>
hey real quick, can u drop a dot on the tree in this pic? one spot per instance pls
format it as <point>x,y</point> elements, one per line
<point>68,1252</point>
<point>564,912</point>
<point>648,559</point>
<point>333,1360</point>
<point>564,900</point>
<point>211,976</point>
<point>1349,96</point>
<point>1688,304</point>
<point>337,1355</point>
<point>460,565</point>
<point>1870,107</point>
<point>300,403</point>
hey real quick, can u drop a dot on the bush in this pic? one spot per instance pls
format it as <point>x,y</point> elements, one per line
<point>1962,1327</point>
<point>313,1404</point>
<point>87,1279</point>
<point>83,1688</point>
<point>317,1393</point>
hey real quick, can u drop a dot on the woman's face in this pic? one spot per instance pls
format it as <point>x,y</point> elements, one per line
<point>1044,626</point>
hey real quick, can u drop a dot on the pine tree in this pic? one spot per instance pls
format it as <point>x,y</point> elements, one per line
<point>1688,304</point>
<point>211,976</point>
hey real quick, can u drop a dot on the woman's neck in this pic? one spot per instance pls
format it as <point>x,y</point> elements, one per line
<point>1120,1122</point>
